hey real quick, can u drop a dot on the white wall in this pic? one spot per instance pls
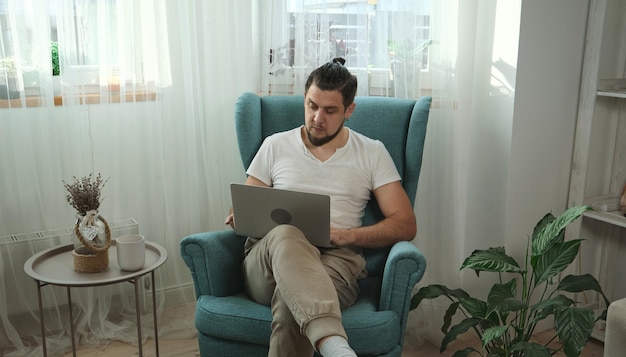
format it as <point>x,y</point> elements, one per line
<point>549,68</point>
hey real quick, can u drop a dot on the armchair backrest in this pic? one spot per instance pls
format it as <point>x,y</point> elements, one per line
<point>399,123</point>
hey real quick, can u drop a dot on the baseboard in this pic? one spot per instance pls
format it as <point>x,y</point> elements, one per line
<point>178,295</point>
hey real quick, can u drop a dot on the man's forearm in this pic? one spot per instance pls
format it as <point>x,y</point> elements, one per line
<point>382,234</point>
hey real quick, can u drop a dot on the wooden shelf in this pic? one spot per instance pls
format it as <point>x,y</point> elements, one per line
<point>598,334</point>
<point>614,94</point>
<point>615,88</point>
<point>613,217</point>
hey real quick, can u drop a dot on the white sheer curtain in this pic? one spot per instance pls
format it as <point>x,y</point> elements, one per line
<point>461,199</point>
<point>464,54</point>
<point>169,157</point>
<point>111,47</point>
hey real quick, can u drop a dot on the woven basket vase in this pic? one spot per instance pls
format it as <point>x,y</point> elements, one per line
<point>90,258</point>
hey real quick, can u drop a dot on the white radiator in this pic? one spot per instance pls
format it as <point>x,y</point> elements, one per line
<point>65,235</point>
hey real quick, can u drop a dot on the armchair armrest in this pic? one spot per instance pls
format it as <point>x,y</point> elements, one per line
<point>404,268</point>
<point>214,259</point>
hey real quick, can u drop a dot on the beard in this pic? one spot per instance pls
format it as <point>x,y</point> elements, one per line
<point>321,141</point>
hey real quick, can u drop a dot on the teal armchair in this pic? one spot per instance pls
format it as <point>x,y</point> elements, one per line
<point>228,322</point>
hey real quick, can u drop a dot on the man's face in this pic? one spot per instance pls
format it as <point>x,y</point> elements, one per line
<point>324,114</point>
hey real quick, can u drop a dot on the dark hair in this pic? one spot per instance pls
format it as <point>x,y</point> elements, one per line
<point>334,76</point>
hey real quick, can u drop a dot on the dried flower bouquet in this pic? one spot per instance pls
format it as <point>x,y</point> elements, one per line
<point>84,194</point>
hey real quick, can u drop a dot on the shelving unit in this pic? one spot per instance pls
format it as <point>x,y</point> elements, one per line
<point>615,218</point>
<point>615,88</point>
<point>599,157</point>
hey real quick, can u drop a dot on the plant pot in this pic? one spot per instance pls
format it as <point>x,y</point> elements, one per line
<point>57,86</point>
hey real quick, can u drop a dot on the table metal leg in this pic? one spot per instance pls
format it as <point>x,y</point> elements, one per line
<point>154,315</point>
<point>69,306</point>
<point>43,325</point>
<point>138,313</point>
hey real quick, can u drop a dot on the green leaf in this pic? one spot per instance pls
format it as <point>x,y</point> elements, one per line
<point>502,298</point>
<point>557,301</point>
<point>475,307</point>
<point>491,321</point>
<point>493,260</point>
<point>501,292</point>
<point>456,330</point>
<point>531,349</point>
<point>447,318</point>
<point>578,283</point>
<point>435,291</point>
<point>573,326</point>
<point>549,217</point>
<point>554,260</point>
<point>546,308</point>
<point>548,231</point>
<point>493,333</point>
<point>510,305</point>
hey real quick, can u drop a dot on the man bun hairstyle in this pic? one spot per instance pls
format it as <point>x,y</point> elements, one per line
<point>334,76</point>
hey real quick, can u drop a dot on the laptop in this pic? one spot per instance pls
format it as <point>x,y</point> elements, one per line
<point>258,209</point>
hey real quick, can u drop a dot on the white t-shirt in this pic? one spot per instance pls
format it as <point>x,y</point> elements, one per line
<point>348,177</point>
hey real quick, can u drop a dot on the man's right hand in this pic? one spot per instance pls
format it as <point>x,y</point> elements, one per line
<point>230,220</point>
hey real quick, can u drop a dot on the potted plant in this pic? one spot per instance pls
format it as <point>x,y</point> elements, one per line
<point>56,69</point>
<point>8,84</point>
<point>91,229</point>
<point>506,321</point>
<point>54,51</point>
<point>406,61</point>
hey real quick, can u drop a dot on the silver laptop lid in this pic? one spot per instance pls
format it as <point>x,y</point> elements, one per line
<point>258,209</point>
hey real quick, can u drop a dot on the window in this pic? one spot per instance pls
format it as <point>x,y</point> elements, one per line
<point>105,47</point>
<point>385,43</point>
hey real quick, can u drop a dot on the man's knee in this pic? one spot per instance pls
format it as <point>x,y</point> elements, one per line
<point>285,231</point>
<point>288,237</point>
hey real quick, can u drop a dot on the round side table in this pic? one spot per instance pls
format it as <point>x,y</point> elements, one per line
<point>54,266</point>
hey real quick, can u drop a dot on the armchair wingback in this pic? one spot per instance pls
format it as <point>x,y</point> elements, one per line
<point>228,322</point>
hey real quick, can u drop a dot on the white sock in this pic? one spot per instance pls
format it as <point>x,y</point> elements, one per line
<point>336,346</point>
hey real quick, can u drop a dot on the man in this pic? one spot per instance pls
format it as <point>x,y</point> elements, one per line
<point>308,286</point>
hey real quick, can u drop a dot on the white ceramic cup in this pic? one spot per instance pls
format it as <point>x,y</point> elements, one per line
<point>131,252</point>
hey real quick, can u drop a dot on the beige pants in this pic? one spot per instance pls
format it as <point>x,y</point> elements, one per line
<point>306,287</point>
